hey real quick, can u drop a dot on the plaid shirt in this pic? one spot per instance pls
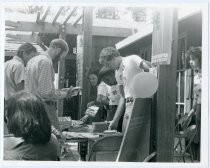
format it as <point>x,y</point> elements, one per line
<point>40,78</point>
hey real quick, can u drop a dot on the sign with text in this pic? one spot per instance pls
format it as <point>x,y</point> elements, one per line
<point>161,59</point>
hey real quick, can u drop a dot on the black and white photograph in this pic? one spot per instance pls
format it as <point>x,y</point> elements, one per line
<point>105,83</point>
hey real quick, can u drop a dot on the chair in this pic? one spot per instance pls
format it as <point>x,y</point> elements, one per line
<point>150,157</point>
<point>106,148</point>
<point>187,134</point>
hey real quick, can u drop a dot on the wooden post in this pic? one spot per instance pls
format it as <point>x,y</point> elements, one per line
<point>61,72</point>
<point>87,56</point>
<point>166,95</point>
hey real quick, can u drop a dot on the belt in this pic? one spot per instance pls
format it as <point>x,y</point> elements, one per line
<point>49,102</point>
<point>129,100</point>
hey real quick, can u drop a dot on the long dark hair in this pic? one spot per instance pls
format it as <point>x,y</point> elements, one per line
<point>195,53</point>
<point>104,72</point>
<point>27,118</point>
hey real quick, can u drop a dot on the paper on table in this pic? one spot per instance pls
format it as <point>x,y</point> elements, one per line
<point>92,111</point>
<point>70,135</point>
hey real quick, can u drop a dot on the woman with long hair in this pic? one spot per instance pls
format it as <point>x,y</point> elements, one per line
<point>30,135</point>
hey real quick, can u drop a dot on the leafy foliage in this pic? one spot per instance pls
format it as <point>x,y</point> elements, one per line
<point>26,9</point>
<point>108,13</point>
<point>138,13</point>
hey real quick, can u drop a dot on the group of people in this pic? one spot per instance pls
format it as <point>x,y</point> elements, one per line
<point>29,114</point>
<point>30,102</point>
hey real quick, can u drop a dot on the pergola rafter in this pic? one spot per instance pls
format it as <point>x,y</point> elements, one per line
<point>45,14</point>
<point>33,38</point>
<point>70,29</point>
<point>69,16</point>
<point>38,17</point>
<point>57,15</point>
<point>77,20</point>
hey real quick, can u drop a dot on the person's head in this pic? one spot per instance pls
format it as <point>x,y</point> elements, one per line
<point>26,51</point>
<point>56,48</point>
<point>194,55</point>
<point>93,77</point>
<point>107,75</point>
<point>110,57</point>
<point>27,118</point>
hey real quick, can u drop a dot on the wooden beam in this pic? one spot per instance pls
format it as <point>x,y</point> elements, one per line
<point>107,31</point>
<point>33,38</point>
<point>57,15</point>
<point>135,37</point>
<point>49,28</point>
<point>34,27</point>
<point>72,12</point>
<point>77,20</point>
<point>166,95</point>
<point>87,56</point>
<point>11,23</point>
<point>38,17</point>
<point>10,53</point>
<point>61,73</point>
<point>10,29</point>
<point>45,14</point>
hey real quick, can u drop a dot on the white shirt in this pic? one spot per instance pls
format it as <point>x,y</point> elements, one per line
<point>128,69</point>
<point>14,73</point>
<point>114,95</point>
<point>103,89</point>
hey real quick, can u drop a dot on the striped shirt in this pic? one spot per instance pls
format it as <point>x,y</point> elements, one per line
<point>40,78</point>
<point>14,74</point>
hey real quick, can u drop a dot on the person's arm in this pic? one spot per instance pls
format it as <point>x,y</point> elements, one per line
<point>19,77</point>
<point>102,99</point>
<point>192,111</point>
<point>145,65</point>
<point>45,84</point>
<point>102,94</point>
<point>120,108</point>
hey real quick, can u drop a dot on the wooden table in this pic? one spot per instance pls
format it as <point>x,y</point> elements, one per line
<point>84,137</point>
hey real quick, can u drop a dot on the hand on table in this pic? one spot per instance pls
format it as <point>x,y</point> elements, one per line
<point>84,119</point>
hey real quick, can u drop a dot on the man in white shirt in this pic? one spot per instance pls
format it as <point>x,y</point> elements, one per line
<point>14,70</point>
<point>126,68</point>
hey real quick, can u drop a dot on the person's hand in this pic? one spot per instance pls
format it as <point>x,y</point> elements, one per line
<point>84,119</point>
<point>92,103</point>
<point>113,125</point>
<point>59,135</point>
<point>62,138</point>
<point>72,91</point>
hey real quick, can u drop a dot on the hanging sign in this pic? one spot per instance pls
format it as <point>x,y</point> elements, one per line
<point>162,37</point>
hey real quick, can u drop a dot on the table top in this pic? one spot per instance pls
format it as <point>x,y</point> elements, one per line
<point>81,135</point>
